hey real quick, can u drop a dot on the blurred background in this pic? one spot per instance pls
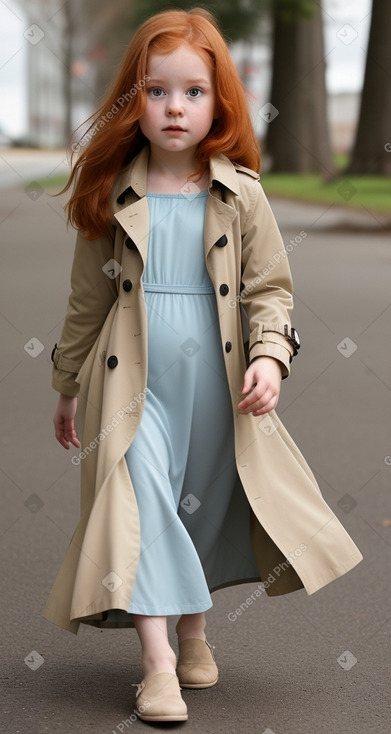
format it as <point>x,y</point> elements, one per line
<point>317,77</point>
<point>318,80</point>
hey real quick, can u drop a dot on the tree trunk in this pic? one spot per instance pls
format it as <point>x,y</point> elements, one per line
<point>298,137</point>
<point>372,147</point>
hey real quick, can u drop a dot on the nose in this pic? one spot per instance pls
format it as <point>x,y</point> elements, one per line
<point>174,107</point>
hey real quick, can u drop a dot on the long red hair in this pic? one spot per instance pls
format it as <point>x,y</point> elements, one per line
<point>114,137</point>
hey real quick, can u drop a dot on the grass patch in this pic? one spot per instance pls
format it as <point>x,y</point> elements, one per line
<point>54,182</point>
<point>341,160</point>
<point>373,192</point>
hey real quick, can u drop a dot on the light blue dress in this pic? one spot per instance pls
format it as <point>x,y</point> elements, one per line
<point>182,458</point>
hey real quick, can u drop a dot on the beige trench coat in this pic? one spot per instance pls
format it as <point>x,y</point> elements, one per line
<point>102,357</point>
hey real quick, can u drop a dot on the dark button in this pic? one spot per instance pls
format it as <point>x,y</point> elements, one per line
<point>224,289</point>
<point>222,241</point>
<point>121,199</point>
<point>112,361</point>
<point>130,244</point>
<point>228,346</point>
<point>127,285</point>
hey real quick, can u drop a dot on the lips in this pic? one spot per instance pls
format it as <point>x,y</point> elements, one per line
<point>174,127</point>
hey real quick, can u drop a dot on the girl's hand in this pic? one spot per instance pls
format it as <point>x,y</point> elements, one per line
<point>64,421</point>
<point>265,372</point>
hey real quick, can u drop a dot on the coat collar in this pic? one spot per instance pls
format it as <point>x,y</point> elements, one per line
<point>134,217</point>
<point>135,175</point>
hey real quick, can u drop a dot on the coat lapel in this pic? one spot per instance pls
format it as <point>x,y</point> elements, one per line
<point>219,215</point>
<point>218,218</point>
<point>134,218</point>
<point>135,221</point>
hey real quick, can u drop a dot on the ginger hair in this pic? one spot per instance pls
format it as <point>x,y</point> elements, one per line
<point>111,145</point>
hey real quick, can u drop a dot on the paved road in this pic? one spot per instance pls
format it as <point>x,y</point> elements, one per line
<point>296,664</point>
<point>20,166</point>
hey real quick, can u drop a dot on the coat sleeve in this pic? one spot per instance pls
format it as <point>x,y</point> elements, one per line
<point>266,293</point>
<point>93,293</point>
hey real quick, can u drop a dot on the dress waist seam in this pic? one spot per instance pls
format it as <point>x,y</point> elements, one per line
<point>167,288</point>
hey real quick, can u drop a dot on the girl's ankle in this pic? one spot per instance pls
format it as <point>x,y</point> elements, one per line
<point>162,664</point>
<point>191,627</point>
<point>191,633</point>
<point>192,636</point>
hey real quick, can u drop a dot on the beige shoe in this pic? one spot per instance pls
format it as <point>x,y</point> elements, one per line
<point>159,699</point>
<point>196,666</point>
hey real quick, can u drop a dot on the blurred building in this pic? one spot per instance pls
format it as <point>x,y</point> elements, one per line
<point>59,80</point>
<point>343,111</point>
<point>55,100</point>
<point>45,97</point>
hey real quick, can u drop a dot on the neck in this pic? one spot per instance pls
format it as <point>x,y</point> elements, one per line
<point>172,165</point>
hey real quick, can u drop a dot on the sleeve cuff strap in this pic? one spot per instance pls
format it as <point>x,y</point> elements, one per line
<point>62,363</point>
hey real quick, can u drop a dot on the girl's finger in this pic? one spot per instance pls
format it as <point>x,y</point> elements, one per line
<point>249,381</point>
<point>59,433</point>
<point>256,401</point>
<point>264,404</point>
<point>253,395</point>
<point>75,440</point>
<point>70,433</point>
<point>268,407</point>
<point>65,433</point>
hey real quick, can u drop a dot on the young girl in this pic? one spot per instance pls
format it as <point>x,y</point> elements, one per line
<point>175,341</point>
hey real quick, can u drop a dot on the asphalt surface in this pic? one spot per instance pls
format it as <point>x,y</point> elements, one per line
<point>294,664</point>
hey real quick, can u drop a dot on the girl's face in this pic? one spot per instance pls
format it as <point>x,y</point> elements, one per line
<point>180,100</point>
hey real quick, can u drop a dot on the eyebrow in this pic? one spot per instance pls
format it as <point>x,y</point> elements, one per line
<point>201,80</point>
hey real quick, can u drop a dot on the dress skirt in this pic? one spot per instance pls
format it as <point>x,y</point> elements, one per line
<point>182,457</point>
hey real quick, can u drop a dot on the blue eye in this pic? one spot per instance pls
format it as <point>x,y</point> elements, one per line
<point>193,92</point>
<point>194,89</point>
